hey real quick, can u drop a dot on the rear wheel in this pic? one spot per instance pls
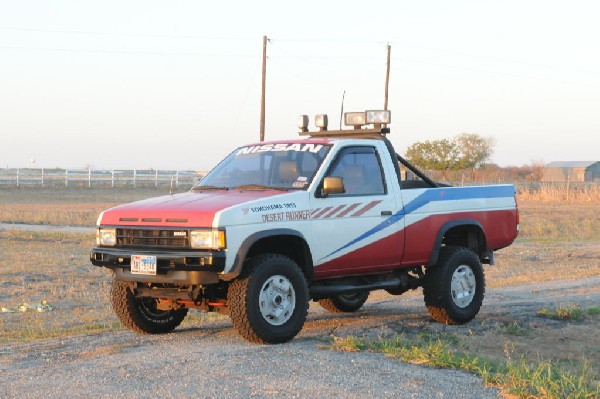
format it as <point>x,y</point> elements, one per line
<point>141,314</point>
<point>345,303</point>
<point>269,302</point>
<point>454,288</point>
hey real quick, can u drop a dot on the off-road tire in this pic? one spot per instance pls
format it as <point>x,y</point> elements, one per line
<point>140,314</point>
<point>445,307</point>
<point>396,291</point>
<point>345,303</point>
<point>245,293</point>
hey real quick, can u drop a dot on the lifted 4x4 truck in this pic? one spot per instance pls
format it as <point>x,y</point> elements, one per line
<point>277,224</point>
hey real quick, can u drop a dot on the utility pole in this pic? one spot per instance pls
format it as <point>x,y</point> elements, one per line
<point>387,78</point>
<point>262,98</point>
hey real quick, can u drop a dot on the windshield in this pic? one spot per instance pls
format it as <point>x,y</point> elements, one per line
<point>269,166</point>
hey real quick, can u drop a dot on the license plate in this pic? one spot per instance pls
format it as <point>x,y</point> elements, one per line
<point>143,264</point>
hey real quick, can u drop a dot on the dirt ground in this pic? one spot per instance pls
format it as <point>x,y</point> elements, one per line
<point>555,263</point>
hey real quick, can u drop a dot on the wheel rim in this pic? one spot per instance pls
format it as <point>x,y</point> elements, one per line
<point>148,308</point>
<point>353,296</point>
<point>277,300</point>
<point>463,286</point>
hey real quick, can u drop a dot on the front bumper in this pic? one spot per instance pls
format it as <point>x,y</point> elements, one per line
<point>173,267</point>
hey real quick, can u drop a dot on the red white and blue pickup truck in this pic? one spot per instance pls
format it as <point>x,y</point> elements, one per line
<point>277,224</point>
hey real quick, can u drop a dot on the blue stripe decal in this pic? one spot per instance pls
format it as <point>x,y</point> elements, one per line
<point>433,195</point>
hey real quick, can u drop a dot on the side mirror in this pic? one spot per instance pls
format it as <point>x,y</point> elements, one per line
<point>333,185</point>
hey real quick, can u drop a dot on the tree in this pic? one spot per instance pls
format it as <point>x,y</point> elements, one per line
<point>475,150</point>
<point>537,167</point>
<point>440,155</point>
<point>465,151</point>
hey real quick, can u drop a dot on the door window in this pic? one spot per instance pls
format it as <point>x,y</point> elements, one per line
<point>360,169</point>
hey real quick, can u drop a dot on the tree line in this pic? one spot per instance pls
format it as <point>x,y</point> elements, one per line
<point>467,157</point>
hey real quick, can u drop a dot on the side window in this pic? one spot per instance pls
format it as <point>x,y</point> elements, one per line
<point>360,169</point>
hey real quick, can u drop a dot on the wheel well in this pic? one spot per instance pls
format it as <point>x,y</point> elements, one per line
<point>462,234</point>
<point>291,246</point>
<point>468,236</point>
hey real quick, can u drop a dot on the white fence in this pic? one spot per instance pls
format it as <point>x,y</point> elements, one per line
<point>98,178</point>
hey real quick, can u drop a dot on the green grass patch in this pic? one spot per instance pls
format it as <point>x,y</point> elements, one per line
<point>39,331</point>
<point>593,310</point>
<point>543,379</point>
<point>516,330</point>
<point>565,313</point>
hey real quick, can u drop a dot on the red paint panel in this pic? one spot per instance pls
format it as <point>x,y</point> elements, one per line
<point>198,208</point>
<point>499,228</point>
<point>379,256</point>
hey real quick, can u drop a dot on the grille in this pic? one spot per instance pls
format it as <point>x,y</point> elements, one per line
<point>152,238</point>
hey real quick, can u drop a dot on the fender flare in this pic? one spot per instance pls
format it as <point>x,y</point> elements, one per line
<point>437,245</point>
<point>244,248</point>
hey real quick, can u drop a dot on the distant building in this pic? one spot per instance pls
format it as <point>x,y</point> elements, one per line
<point>584,171</point>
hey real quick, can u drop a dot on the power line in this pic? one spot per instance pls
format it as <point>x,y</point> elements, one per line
<point>74,32</point>
<point>512,75</point>
<point>69,50</point>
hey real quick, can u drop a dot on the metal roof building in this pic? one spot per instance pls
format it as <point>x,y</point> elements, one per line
<point>584,171</point>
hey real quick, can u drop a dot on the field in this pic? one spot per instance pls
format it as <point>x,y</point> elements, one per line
<point>558,251</point>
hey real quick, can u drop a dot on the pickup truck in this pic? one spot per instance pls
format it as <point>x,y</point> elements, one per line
<point>325,218</point>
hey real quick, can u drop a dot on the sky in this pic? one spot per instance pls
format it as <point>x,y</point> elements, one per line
<point>176,84</point>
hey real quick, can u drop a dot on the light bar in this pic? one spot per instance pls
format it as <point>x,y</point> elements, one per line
<point>303,123</point>
<point>378,117</point>
<point>356,119</point>
<point>321,121</point>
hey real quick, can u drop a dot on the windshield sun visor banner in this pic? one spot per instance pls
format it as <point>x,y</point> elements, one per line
<point>314,148</point>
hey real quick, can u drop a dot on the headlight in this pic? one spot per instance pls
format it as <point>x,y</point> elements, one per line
<point>107,237</point>
<point>207,239</point>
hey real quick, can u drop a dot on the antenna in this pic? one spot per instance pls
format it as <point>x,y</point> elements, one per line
<point>342,110</point>
<point>264,83</point>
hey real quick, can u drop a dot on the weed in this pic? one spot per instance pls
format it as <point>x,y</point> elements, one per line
<point>515,329</point>
<point>593,310</point>
<point>544,379</point>
<point>566,313</point>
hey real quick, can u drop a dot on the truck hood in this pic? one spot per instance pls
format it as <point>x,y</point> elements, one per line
<point>191,209</point>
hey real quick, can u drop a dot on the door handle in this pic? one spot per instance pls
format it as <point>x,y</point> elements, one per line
<point>386,213</point>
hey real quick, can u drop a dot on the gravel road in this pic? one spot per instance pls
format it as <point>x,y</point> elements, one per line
<point>210,360</point>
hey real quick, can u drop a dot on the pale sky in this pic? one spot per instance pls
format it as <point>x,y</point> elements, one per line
<point>176,84</point>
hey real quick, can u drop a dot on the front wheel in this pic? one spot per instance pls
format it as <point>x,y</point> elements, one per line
<point>269,302</point>
<point>454,288</point>
<point>345,303</point>
<point>140,314</point>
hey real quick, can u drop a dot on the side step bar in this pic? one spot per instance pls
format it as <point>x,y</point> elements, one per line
<point>324,291</point>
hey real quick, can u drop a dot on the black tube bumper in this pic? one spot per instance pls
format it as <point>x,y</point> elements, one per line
<point>201,261</point>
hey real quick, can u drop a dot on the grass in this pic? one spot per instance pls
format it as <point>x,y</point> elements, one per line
<point>593,310</point>
<point>558,240</point>
<point>566,193</point>
<point>569,312</point>
<point>54,267</point>
<point>67,206</point>
<point>520,378</point>
<point>516,330</point>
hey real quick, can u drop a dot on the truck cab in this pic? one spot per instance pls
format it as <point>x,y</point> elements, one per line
<point>322,218</point>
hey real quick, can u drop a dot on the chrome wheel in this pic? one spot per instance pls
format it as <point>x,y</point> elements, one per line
<point>277,300</point>
<point>463,286</point>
